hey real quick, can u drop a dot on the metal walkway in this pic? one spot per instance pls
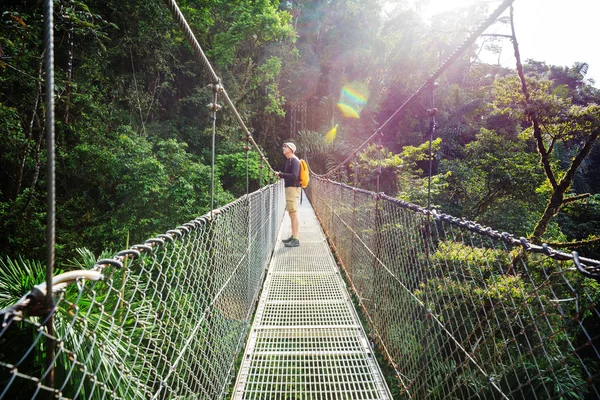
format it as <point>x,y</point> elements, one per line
<point>306,341</point>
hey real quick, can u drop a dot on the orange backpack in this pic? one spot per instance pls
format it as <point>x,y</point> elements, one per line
<point>304,175</point>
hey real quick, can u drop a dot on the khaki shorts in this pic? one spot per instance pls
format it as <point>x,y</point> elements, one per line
<point>292,194</point>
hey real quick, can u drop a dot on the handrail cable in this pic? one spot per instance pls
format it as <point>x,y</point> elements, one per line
<point>189,35</point>
<point>458,52</point>
<point>580,262</point>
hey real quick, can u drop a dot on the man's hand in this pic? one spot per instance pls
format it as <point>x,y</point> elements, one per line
<point>277,174</point>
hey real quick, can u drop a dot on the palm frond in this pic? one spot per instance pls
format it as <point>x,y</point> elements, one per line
<point>18,277</point>
<point>86,259</point>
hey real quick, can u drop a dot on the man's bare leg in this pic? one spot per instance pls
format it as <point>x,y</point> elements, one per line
<point>295,223</point>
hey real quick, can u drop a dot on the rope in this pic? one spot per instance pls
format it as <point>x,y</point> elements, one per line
<point>453,57</point>
<point>189,35</point>
<point>137,92</point>
<point>51,185</point>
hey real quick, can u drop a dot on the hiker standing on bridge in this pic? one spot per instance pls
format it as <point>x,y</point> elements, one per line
<point>291,175</point>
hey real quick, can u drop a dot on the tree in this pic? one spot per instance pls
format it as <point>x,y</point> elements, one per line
<point>554,120</point>
<point>494,183</point>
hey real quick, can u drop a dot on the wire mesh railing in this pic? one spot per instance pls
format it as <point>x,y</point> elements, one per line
<point>160,320</point>
<point>462,311</point>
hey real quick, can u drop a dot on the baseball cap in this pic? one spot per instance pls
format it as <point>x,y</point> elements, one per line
<point>291,146</point>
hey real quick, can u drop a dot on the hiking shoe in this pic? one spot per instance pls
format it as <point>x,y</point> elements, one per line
<point>288,239</point>
<point>293,243</point>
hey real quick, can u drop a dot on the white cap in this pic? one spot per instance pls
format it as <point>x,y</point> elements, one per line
<point>291,146</point>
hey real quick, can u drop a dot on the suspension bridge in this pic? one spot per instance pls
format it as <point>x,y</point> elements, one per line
<point>454,310</point>
<point>383,299</point>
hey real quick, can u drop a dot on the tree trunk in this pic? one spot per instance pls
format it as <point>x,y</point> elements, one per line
<point>552,208</point>
<point>558,195</point>
<point>38,166</point>
<point>29,130</point>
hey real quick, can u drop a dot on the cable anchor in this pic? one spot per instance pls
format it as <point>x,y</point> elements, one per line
<point>432,112</point>
<point>216,87</point>
<point>213,107</point>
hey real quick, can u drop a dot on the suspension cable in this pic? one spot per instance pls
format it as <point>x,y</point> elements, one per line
<point>189,35</point>
<point>213,107</point>
<point>431,112</point>
<point>260,174</point>
<point>246,150</point>
<point>453,57</point>
<point>427,316</point>
<point>51,184</point>
<point>379,148</point>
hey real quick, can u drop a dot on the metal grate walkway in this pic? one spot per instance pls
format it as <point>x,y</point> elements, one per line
<point>307,341</point>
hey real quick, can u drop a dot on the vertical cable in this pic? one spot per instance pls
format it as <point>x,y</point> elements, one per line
<point>427,312</point>
<point>50,222</point>
<point>260,175</point>
<point>249,222</point>
<point>212,158</point>
<point>247,148</point>
<point>431,112</point>
<point>380,161</point>
<point>355,171</point>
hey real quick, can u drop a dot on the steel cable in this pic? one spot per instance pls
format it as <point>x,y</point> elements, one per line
<point>51,185</point>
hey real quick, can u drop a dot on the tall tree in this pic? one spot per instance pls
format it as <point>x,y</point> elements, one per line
<point>555,120</point>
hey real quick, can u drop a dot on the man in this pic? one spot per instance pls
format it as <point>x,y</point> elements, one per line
<point>290,175</point>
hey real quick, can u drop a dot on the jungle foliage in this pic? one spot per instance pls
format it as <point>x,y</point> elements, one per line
<point>133,133</point>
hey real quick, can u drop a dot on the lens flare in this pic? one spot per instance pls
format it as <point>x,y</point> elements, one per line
<point>353,98</point>
<point>348,111</point>
<point>330,136</point>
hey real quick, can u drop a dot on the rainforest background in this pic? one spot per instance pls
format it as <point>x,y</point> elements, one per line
<point>133,132</point>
